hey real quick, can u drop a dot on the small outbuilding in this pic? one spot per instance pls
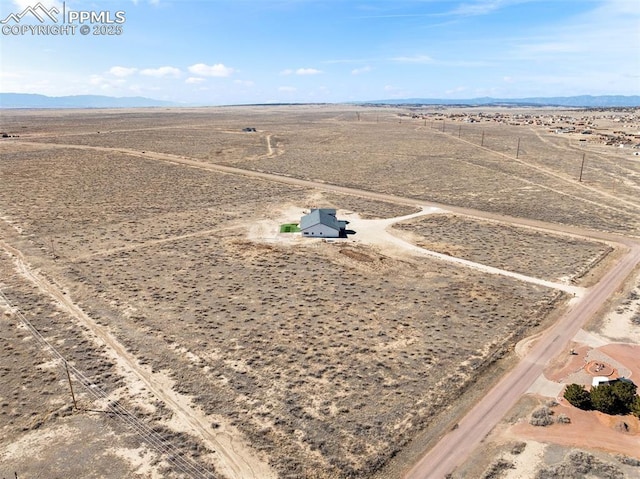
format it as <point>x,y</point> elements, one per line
<point>598,380</point>
<point>322,223</point>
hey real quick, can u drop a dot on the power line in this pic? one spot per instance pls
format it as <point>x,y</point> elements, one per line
<point>172,455</point>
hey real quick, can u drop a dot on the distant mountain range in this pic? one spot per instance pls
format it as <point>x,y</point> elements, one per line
<point>29,100</point>
<point>587,101</point>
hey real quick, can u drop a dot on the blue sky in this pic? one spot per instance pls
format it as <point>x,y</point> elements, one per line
<point>258,51</point>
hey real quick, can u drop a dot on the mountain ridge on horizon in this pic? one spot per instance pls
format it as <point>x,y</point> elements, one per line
<point>33,100</point>
<point>587,101</point>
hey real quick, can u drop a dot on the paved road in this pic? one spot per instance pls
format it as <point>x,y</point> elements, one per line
<point>456,445</point>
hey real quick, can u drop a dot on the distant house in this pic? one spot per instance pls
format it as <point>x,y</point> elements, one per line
<point>322,223</point>
<point>248,129</point>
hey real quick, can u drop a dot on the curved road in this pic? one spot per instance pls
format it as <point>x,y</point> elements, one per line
<point>455,446</point>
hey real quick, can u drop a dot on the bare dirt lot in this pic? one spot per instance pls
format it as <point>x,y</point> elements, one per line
<point>256,358</point>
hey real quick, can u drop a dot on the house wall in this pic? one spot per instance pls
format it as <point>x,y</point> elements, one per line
<point>321,231</point>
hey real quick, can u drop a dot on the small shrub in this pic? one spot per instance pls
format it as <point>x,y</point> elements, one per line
<point>497,468</point>
<point>541,417</point>
<point>518,447</point>
<point>563,419</point>
<point>629,461</point>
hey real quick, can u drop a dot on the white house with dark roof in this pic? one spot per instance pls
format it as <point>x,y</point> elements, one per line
<point>322,223</point>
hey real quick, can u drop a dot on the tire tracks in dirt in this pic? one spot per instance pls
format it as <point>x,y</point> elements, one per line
<point>557,176</point>
<point>474,426</point>
<point>318,185</point>
<point>233,459</point>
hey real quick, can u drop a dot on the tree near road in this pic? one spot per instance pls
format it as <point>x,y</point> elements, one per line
<point>625,392</point>
<point>616,397</point>
<point>578,396</point>
<point>603,399</point>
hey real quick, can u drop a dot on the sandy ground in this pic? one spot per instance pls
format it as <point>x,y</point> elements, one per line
<point>233,455</point>
<point>588,429</point>
<point>375,232</point>
<point>617,325</point>
<point>525,463</point>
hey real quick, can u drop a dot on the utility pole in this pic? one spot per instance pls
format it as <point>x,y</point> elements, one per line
<point>443,125</point>
<point>459,130</point>
<point>73,396</point>
<point>53,251</point>
<point>582,167</point>
<point>482,141</point>
<point>518,149</point>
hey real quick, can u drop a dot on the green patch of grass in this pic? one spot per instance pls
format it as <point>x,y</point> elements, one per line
<point>289,228</point>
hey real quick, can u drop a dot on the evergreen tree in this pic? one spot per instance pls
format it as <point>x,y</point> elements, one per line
<point>577,396</point>
<point>635,406</point>
<point>625,392</point>
<point>604,399</point>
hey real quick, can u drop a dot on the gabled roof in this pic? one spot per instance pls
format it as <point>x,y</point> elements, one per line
<point>325,216</point>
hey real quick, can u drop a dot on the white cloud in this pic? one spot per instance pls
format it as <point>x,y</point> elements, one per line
<point>602,39</point>
<point>106,83</point>
<point>217,70</point>
<point>287,89</point>
<point>96,80</point>
<point>243,82</point>
<point>307,71</point>
<point>122,71</point>
<point>360,71</point>
<point>161,72</point>
<point>414,59</point>
<point>194,80</point>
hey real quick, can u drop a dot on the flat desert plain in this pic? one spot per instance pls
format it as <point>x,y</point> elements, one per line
<point>156,323</point>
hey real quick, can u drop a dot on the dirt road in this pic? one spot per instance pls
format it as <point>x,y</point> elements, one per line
<point>233,459</point>
<point>456,445</point>
<point>540,225</point>
<point>375,232</point>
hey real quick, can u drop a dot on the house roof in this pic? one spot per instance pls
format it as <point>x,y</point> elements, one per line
<point>325,216</point>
